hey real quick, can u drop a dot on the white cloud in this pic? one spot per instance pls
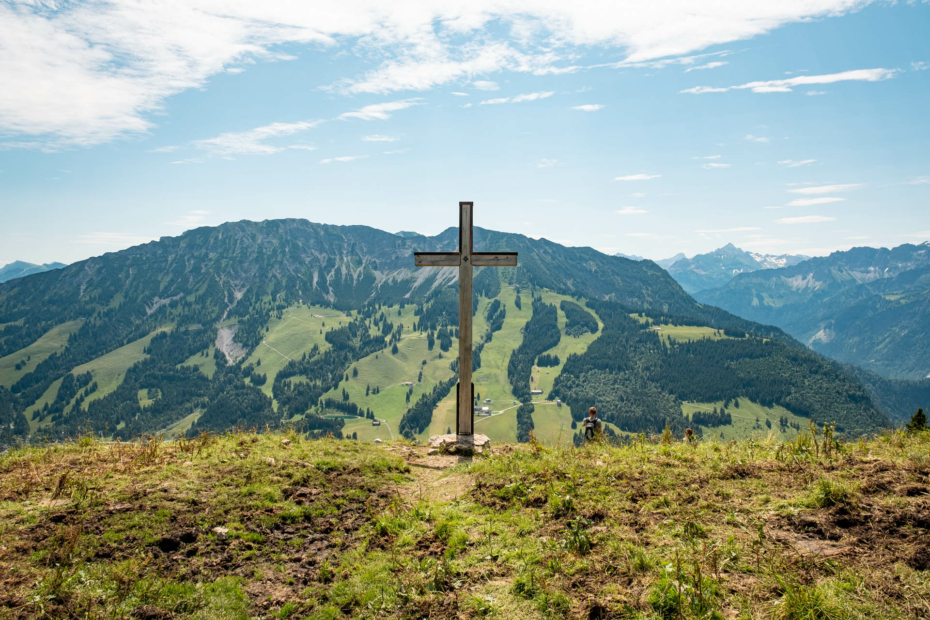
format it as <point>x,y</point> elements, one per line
<point>547,163</point>
<point>785,86</point>
<point>164,149</point>
<point>458,94</point>
<point>710,157</point>
<point>816,93</point>
<point>344,158</point>
<point>485,85</point>
<point>112,239</point>
<point>190,160</point>
<point>252,142</point>
<point>638,195</point>
<point>729,230</point>
<point>920,65</point>
<point>710,65</point>
<point>380,138</point>
<point>394,152</point>
<point>805,219</point>
<point>81,73</point>
<point>520,98</point>
<point>380,111</point>
<point>827,189</point>
<point>753,138</point>
<point>191,219</point>
<point>467,105</point>
<point>796,164</point>
<point>809,202</point>
<point>631,211</point>
<point>588,107</point>
<point>920,181</point>
<point>714,165</point>
<point>637,177</point>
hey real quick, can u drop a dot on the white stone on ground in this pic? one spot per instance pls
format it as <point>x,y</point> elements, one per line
<point>460,443</point>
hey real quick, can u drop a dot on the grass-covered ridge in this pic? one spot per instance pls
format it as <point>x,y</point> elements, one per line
<point>275,526</point>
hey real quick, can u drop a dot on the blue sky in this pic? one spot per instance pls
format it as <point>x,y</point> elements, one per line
<point>645,128</point>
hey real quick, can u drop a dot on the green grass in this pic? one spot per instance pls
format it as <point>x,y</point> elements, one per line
<point>389,371</point>
<point>744,420</point>
<point>290,337</point>
<point>108,370</point>
<point>53,341</point>
<point>341,529</point>
<point>206,363</point>
<point>681,333</point>
<point>47,398</point>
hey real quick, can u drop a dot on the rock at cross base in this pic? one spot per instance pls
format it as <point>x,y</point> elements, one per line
<point>465,444</point>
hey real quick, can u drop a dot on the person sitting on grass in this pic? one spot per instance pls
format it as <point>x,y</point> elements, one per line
<point>592,425</point>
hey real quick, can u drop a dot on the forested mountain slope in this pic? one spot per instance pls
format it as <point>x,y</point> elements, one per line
<point>868,306</point>
<point>255,323</point>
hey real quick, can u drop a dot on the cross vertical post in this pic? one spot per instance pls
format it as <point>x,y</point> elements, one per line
<point>465,416</point>
<point>466,260</point>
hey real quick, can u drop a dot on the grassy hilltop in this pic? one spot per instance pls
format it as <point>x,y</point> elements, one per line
<point>275,526</point>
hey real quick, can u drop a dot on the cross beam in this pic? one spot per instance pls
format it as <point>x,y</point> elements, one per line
<point>466,260</point>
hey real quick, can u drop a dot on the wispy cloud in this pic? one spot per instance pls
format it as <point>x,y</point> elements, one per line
<point>753,138</point>
<point>809,202</point>
<point>191,219</point>
<point>806,219</point>
<point>638,195</point>
<point>381,111</point>
<point>108,67</point>
<point>826,189</point>
<point>728,230</point>
<point>458,94</point>
<point>485,85</point>
<point>344,158</point>
<point>920,181</point>
<point>394,152</point>
<point>547,163</point>
<point>791,163</point>
<point>637,177</point>
<point>709,65</point>
<point>588,107</point>
<point>714,166</point>
<point>520,98</point>
<point>164,149</point>
<point>816,93</point>
<point>190,160</point>
<point>253,142</point>
<point>631,211</point>
<point>785,86</point>
<point>380,138</point>
<point>920,65</point>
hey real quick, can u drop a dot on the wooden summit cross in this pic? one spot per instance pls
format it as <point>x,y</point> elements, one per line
<point>466,260</point>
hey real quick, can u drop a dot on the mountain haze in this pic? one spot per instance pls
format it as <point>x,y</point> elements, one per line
<point>715,269</point>
<point>19,269</point>
<point>866,306</point>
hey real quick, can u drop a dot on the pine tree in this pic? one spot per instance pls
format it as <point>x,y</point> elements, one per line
<point>918,422</point>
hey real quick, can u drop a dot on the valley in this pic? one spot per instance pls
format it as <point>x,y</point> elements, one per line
<point>359,344</point>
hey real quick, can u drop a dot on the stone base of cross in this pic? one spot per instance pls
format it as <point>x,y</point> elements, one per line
<point>466,260</point>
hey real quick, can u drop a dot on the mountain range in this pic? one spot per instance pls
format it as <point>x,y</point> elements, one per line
<point>717,268</point>
<point>19,269</point>
<point>865,306</point>
<point>261,323</point>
